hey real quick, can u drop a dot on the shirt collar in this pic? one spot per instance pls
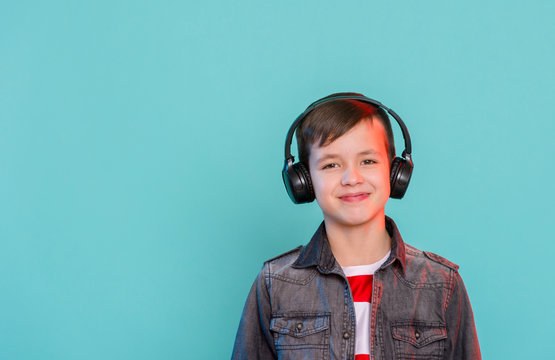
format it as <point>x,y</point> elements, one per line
<point>318,252</point>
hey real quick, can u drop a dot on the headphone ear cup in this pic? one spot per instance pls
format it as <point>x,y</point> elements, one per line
<point>399,177</point>
<point>305,191</point>
<point>298,183</point>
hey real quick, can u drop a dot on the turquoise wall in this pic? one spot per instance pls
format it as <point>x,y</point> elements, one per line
<point>141,145</point>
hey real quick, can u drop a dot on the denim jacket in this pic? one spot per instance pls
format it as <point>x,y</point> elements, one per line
<point>300,307</point>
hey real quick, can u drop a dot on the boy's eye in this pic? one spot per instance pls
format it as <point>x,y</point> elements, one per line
<point>330,166</point>
<point>368,162</point>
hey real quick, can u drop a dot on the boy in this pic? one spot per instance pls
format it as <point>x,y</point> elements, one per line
<point>356,291</point>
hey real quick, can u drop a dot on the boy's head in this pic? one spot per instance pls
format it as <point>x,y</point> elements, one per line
<point>330,120</point>
<point>347,146</point>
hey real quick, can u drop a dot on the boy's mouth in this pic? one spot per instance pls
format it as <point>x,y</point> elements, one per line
<point>355,197</point>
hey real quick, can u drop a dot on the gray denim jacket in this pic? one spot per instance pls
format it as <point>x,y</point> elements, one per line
<point>300,307</point>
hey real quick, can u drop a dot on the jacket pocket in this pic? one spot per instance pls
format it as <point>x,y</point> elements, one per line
<point>415,339</point>
<point>301,335</point>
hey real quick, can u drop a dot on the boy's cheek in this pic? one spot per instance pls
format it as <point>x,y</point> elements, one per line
<point>322,185</point>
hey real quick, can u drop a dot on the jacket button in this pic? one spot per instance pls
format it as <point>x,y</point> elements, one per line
<point>346,335</point>
<point>299,326</point>
<point>417,335</point>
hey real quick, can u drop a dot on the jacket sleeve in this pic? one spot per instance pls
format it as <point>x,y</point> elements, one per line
<point>254,340</point>
<point>462,341</point>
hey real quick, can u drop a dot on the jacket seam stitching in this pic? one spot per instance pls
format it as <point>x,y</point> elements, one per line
<point>451,290</point>
<point>293,281</point>
<point>437,285</point>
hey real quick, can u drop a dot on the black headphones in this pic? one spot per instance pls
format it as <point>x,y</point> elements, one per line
<point>296,177</point>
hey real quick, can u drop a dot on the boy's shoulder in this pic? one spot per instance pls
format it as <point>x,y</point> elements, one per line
<point>417,258</point>
<point>426,269</point>
<point>441,260</point>
<point>281,268</point>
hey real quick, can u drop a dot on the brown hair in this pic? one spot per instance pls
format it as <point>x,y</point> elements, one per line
<point>332,119</point>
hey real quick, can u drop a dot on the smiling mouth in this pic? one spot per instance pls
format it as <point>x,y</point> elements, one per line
<point>356,197</point>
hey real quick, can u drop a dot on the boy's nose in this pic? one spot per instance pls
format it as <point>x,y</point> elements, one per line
<point>351,176</point>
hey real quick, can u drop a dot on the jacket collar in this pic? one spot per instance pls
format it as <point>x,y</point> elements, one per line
<point>318,252</point>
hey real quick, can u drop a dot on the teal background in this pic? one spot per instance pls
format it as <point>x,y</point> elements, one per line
<point>141,145</point>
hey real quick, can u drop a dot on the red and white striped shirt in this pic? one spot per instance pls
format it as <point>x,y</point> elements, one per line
<point>360,280</point>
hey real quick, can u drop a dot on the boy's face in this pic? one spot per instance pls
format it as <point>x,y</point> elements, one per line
<point>351,175</point>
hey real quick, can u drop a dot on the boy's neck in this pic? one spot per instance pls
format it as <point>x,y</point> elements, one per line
<point>358,245</point>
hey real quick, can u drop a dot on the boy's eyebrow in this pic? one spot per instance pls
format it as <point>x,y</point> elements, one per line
<point>334,156</point>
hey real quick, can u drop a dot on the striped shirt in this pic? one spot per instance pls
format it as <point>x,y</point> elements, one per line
<point>360,280</point>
